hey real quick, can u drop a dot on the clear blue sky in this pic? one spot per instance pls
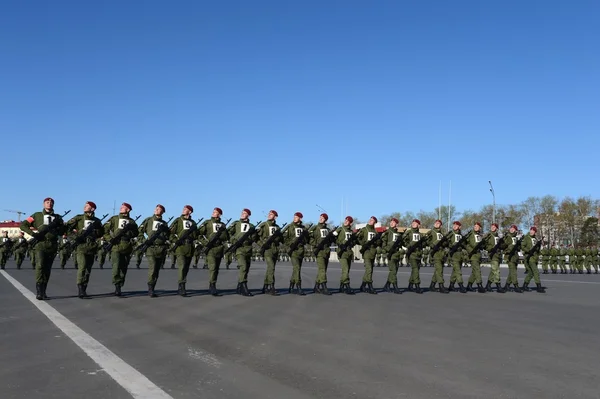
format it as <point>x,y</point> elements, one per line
<point>285,105</point>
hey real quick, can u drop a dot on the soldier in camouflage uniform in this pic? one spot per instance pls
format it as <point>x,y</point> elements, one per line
<point>412,240</point>
<point>84,252</point>
<point>562,259</point>
<point>580,258</point>
<point>378,257</point>
<point>456,257</point>
<point>388,239</point>
<point>572,259</point>
<point>531,254</point>
<point>511,251</point>
<point>183,228</point>
<point>596,259</point>
<point>156,253</point>
<point>215,229</point>
<point>126,229</point>
<point>588,259</point>
<point>244,232</point>
<point>20,248</point>
<point>318,233</point>
<point>343,235</point>
<point>493,246</point>
<point>437,244</point>
<point>475,239</point>
<point>197,253</point>
<point>269,238</point>
<point>296,235</point>
<point>545,255</point>
<point>5,248</point>
<point>365,235</point>
<point>46,247</point>
<point>229,257</point>
<point>101,253</point>
<point>553,258</point>
<point>63,251</point>
<point>139,255</point>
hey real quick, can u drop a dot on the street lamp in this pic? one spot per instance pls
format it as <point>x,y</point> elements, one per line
<point>494,198</point>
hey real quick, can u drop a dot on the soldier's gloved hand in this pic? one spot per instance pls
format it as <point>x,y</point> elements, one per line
<point>335,233</point>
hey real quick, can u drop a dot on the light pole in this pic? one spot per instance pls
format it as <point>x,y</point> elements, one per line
<point>494,198</point>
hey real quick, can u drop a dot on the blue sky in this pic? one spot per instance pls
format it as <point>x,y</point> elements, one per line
<point>285,105</point>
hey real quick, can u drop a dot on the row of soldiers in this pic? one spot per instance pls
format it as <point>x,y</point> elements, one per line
<point>242,238</point>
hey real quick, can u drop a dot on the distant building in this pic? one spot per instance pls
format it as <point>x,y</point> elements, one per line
<point>13,228</point>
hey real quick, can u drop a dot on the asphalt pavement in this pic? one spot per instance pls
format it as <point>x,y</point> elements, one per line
<point>432,345</point>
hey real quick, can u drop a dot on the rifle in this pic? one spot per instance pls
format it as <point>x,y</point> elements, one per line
<point>367,245</point>
<point>326,240</point>
<point>242,239</point>
<point>416,245</point>
<point>438,244</point>
<point>213,241</point>
<point>270,240</point>
<point>395,246</point>
<point>454,247</point>
<point>350,242</point>
<point>150,241</point>
<point>181,240</point>
<point>299,240</point>
<point>117,237</point>
<point>495,249</point>
<point>516,247</point>
<point>82,237</point>
<point>47,228</point>
<point>535,247</point>
<point>478,246</point>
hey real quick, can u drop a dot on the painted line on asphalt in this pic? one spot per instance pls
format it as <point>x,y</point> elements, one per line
<point>126,376</point>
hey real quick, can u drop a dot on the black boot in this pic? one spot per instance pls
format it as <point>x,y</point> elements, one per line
<point>451,287</point>
<point>540,289</point>
<point>518,289</point>
<point>443,289</point>
<point>85,290</point>
<point>418,289</point>
<point>291,287</point>
<point>80,291</point>
<point>410,286</point>
<point>525,287</point>
<point>317,288</point>
<point>44,286</point>
<point>118,290</point>
<point>245,290</point>
<point>432,286</point>
<point>181,289</point>
<point>370,289</point>
<point>481,289</point>
<point>506,287</point>
<point>469,287</point>
<point>461,288</point>
<point>386,287</point>
<point>395,289</point>
<point>499,289</point>
<point>580,271</point>
<point>38,292</point>
<point>101,266</point>
<point>272,291</point>
<point>173,266</point>
<point>488,286</point>
<point>589,272</point>
<point>212,289</point>
<point>265,288</point>
<point>348,290</point>
<point>324,289</point>
<point>151,292</point>
<point>553,271</point>
<point>299,290</point>
<point>363,287</point>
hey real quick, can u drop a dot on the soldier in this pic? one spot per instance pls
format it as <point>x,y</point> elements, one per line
<point>269,238</point>
<point>413,242</point>
<point>493,246</point>
<point>122,229</point>
<point>229,257</point>
<point>553,258</point>
<point>378,257</point>
<point>63,250</point>
<point>511,251</point>
<point>20,248</point>
<point>139,255</point>
<point>174,260</point>
<point>473,248</point>
<point>426,261</point>
<point>244,233</point>
<point>562,259</point>
<point>50,227</point>
<point>295,236</point>
<point>320,232</point>
<point>388,238</point>
<point>456,257</point>
<point>101,253</point>
<point>545,255</point>
<point>84,252</point>
<point>369,235</point>
<point>437,243</point>
<point>180,229</point>
<point>156,253</point>
<point>588,259</point>
<point>345,236</point>
<point>580,258</point>
<point>530,247</point>
<point>572,259</point>
<point>197,253</point>
<point>596,259</point>
<point>5,247</point>
<point>213,231</point>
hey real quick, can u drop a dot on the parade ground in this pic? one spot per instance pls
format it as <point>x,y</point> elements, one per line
<point>472,345</point>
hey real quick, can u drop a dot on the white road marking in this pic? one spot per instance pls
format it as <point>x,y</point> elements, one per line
<point>126,376</point>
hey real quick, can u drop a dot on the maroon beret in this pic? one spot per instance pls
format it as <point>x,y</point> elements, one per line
<point>417,220</point>
<point>326,216</point>
<point>161,207</point>
<point>247,211</point>
<point>299,214</point>
<point>48,199</point>
<point>350,219</point>
<point>191,209</point>
<point>274,212</point>
<point>514,226</point>
<point>495,224</point>
<point>127,205</point>
<point>395,220</point>
<point>533,228</point>
<point>219,210</point>
<point>438,221</point>
<point>92,204</point>
<point>457,222</point>
<point>374,218</point>
<point>478,224</point>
